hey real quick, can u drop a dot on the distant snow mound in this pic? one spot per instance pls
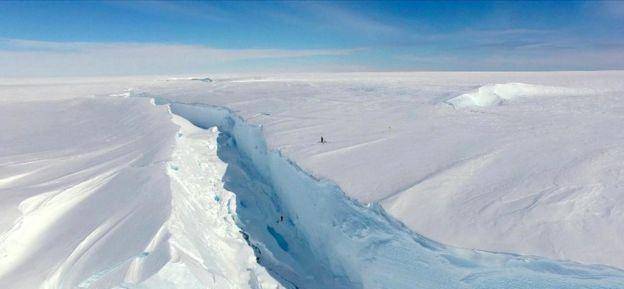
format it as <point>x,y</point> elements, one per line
<point>497,94</point>
<point>202,79</point>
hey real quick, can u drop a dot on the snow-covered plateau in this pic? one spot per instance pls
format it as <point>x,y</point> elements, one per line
<point>445,180</point>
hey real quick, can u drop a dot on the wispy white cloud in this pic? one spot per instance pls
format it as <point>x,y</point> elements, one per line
<point>613,9</point>
<point>348,19</point>
<point>534,57</point>
<point>192,9</point>
<point>43,58</point>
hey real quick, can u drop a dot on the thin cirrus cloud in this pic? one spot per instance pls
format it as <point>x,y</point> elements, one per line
<point>526,57</point>
<point>342,18</point>
<point>199,10</point>
<point>43,58</point>
<point>613,9</point>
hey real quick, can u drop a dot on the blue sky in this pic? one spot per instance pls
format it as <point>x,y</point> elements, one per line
<point>117,38</point>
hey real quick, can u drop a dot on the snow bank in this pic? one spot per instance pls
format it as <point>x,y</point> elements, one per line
<point>498,94</point>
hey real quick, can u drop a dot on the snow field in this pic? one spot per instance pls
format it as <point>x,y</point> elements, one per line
<point>537,175</point>
<point>329,241</point>
<point>78,174</point>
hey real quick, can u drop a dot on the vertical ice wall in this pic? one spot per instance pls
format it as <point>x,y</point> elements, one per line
<point>203,223</point>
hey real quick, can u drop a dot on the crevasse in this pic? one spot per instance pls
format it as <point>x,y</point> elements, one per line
<point>307,233</point>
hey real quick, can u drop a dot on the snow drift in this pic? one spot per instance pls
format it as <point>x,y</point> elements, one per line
<point>498,94</point>
<point>84,192</point>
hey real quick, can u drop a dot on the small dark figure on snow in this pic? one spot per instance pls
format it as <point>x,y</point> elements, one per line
<point>323,140</point>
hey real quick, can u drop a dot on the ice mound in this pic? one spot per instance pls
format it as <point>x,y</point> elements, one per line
<point>497,94</point>
<point>201,78</point>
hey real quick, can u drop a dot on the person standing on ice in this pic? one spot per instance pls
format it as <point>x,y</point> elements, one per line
<point>322,140</point>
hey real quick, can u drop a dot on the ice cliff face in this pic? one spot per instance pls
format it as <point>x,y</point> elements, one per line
<point>206,239</point>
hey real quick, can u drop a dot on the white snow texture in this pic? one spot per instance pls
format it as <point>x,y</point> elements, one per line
<point>221,182</point>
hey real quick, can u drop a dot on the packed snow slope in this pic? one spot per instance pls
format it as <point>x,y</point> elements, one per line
<point>84,192</point>
<point>537,170</point>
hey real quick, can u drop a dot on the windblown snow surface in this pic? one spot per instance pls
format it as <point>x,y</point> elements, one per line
<point>167,183</point>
